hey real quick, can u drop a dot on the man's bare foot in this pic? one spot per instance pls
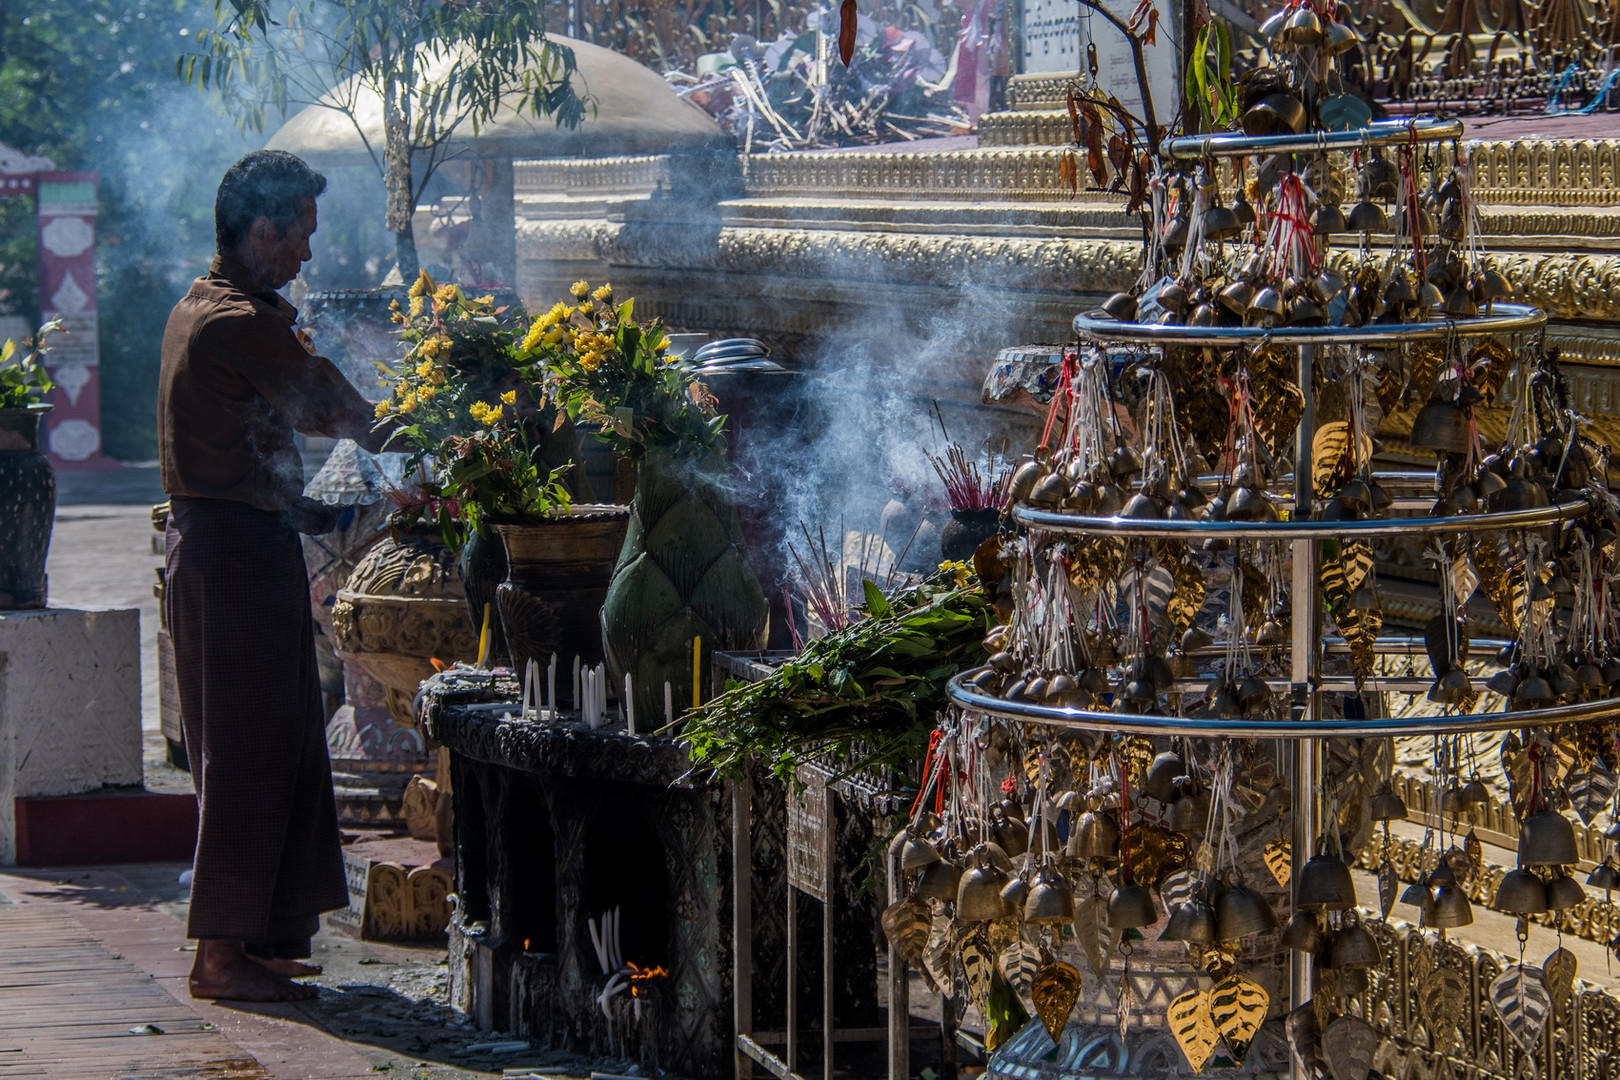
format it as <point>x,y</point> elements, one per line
<point>291,969</point>
<point>223,971</point>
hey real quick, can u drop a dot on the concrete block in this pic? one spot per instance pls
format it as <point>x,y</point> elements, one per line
<point>70,706</point>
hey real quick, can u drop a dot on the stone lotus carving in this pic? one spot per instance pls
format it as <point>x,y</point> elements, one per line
<point>402,608</point>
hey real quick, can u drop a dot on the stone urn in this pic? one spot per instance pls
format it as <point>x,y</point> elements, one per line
<point>557,576</point>
<point>402,608</point>
<point>28,499</point>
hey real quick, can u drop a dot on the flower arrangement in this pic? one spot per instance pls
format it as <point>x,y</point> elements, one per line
<point>469,400</point>
<point>23,379</point>
<point>609,371</point>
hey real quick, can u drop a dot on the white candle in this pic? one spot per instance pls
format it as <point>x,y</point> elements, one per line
<point>629,706</point>
<point>551,686</point>
<point>669,703</point>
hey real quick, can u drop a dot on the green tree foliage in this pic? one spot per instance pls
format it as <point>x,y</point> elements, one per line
<point>435,65</point>
<point>89,84</point>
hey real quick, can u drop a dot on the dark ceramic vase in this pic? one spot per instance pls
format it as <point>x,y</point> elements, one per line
<point>28,499</point>
<point>557,576</point>
<point>965,531</point>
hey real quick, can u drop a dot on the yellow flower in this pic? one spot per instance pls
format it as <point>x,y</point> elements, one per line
<point>586,308</point>
<point>509,398</point>
<point>580,289</point>
<point>393,305</point>
<point>485,413</point>
<point>408,402</point>
<point>554,335</point>
<point>590,361</point>
<point>485,301</point>
<point>416,307</point>
<point>535,335</point>
<point>427,394</point>
<point>382,410</point>
<point>422,285</point>
<point>603,295</point>
<point>424,369</point>
<point>445,294</point>
<point>661,346</point>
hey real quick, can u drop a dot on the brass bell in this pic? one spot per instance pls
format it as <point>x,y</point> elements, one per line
<point>1450,908</point>
<point>1236,297</point>
<point>978,895</point>
<point>1243,210</point>
<point>1417,895</point>
<point>1220,223</point>
<point>1010,833</point>
<point>1121,306</point>
<point>1452,688</point>
<point>1604,877</point>
<point>1367,217</point>
<point>1271,29</point>
<point>1399,290</point>
<point>1240,912</point>
<point>1015,893</point>
<point>1338,38</point>
<point>1049,490</point>
<point>1099,835</point>
<point>1325,883</point>
<point>940,880</point>
<point>1142,507</point>
<point>1192,921</point>
<point>1303,933</point>
<point>917,852</point>
<point>1563,892</point>
<point>1547,839</point>
<point>1521,893</point>
<point>1023,479</point>
<point>1494,285</point>
<point>1460,302</point>
<point>1253,692</point>
<point>1328,219</point>
<point>1188,814</point>
<point>1353,947</point>
<point>1131,907</point>
<point>1306,312</point>
<point>1275,114</point>
<point>1161,778</point>
<point>1429,296</point>
<point>1441,426</point>
<point>1387,805</point>
<point>1533,693</point>
<point>1304,27</point>
<point>1326,285</point>
<point>1475,793</point>
<point>1051,900</point>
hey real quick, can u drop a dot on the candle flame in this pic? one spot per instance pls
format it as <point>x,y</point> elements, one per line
<point>639,975</point>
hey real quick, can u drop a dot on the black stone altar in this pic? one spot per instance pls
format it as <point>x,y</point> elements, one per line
<point>556,823</point>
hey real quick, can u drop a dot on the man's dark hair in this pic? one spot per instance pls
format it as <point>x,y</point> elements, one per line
<point>266,183</point>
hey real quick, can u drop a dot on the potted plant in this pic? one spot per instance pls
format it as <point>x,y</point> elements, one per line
<point>683,574</point>
<point>27,482</point>
<point>495,464</point>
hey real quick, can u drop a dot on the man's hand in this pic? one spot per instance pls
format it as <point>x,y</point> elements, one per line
<point>310,516</point>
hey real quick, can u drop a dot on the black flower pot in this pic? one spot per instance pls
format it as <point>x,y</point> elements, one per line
<point>27,508</point>
<point>965,531</point>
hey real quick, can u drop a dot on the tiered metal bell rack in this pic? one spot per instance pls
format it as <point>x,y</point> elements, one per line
<point>1305,724</point>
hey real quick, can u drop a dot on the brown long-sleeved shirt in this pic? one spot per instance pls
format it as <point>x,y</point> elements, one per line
<point>236,384</point>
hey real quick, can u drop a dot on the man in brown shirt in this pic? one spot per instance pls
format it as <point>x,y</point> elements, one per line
<point>236,384</point>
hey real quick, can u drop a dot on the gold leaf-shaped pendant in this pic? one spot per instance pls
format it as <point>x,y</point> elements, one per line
<point>1523,1004</point>
<point>1357,557</point>
<point>977,961</point>
<point>1442,995</point>
<point>1238,1007</point>
<point>906,924</point>
<point>1019,962</point>
<point>1001,933</point>
<point>1155,852</point>
<point>1054,991</point>
<point>1135,752</point>
<point>939,956</point>
<point>1348,1045</point>
<point>1332,464</point>
<point>1279,860</point>
<point>1558,976</point>
<point>1388,886</point>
